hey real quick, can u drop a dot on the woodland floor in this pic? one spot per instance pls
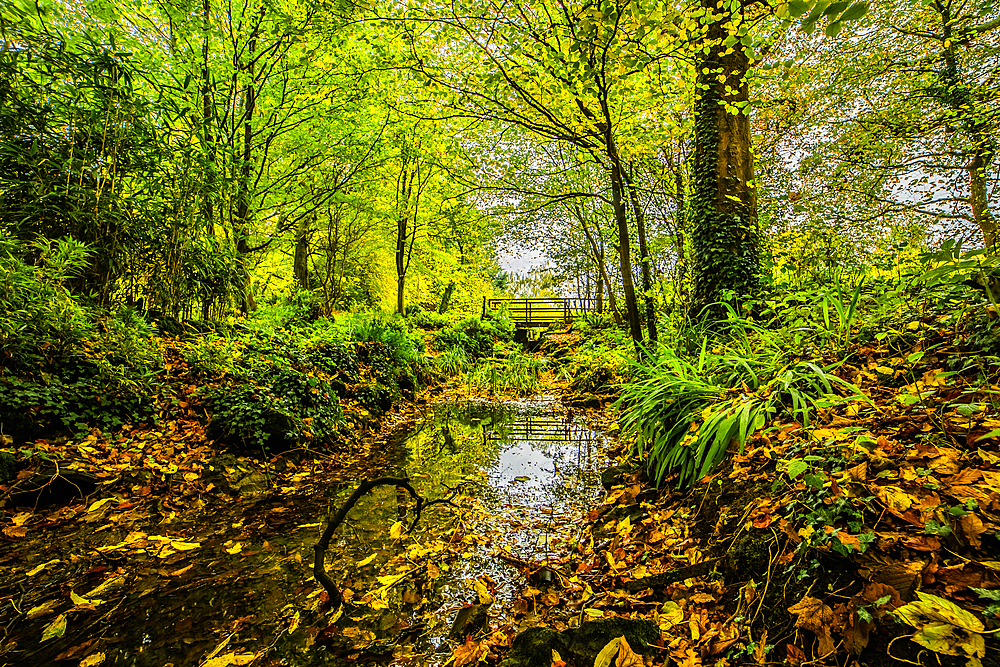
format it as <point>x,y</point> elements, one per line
<point>188,556</point>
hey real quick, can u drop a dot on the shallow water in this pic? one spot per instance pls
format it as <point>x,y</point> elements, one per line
<point>527,470</point>
<point>520,476</point>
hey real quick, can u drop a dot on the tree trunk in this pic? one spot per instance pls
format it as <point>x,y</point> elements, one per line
<point>300,263</point>
<point>723,212</point>
<point>241,221</point>
<point>604,280</point>
<point>403,188</point>
<point>644,259</point>
<point>982,148</point>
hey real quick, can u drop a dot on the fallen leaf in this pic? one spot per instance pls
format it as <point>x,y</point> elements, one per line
<point>184,546</point>
<point>56,628</point>
<point>38,568</point>
<point>99,504</point>
<point>972,527</point>
<point>815,616</point>
<point>15,531</point>
<point>470,653</point>
<point>626,656</point>
<point>608,653</point>
<point>230,659</point>
<point>92,660</point>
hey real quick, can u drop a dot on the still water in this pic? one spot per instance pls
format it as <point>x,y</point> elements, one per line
<point>518,477</point>
<point>524,473</point>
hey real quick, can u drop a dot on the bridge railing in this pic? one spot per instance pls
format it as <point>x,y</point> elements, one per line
<point>542,312</point>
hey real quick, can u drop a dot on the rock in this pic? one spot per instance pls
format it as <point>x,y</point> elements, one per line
<point>469,621</point>
<point>585,642</point>
<point>47,487</point>
<point>615,475</point>
<point>579,646</point>
<point>583,400</point>
<point>533,648</point>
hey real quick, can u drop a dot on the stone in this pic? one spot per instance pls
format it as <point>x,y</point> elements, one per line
<point>469,621</point>
<point>579,646</point>
<point>533,648</point>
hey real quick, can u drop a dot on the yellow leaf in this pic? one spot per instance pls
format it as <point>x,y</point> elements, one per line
<point>235,549</point>
<point>396,531</point>
<point>43,609</point>
<point>367,561</point>
<point>670,615</point>
<point>56,628</point>
<point>608,653</point>
<point>99,504</point>
<point>184,546</point>
<point>230,659</point>
<point>470,653</point>
<point>20,518</point>
<point>626,656</point>
<point>77,599</point>
<point>930,608</point>
<point>35,570</point>
<point>92,660</point>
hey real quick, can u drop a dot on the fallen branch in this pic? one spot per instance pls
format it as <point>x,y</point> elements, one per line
<point>319,564</point>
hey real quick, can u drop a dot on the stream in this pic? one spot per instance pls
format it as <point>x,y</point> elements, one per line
<point>526,471</point>
<point>202,578</point>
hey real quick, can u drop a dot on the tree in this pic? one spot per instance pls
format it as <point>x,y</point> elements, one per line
<point>560,71</point>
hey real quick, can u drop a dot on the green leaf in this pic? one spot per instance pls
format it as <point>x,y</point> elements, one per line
<point>797,8</point>
<point>835,8</point>
<point>795,468</point>
<point>55,629</point>
<point>986,593</point>
<point>834,29</point>
<point>854,12</point>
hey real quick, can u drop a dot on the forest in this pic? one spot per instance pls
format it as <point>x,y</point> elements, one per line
<point>271,392</point>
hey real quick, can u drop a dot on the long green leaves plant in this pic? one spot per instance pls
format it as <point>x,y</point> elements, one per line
<point>684,421</point>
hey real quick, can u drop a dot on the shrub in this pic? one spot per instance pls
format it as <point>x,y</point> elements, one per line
<point>282,409</point>
<point>39,318</point>
<point>476,336</point>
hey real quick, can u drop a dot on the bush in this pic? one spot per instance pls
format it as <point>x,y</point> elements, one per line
<point>79,396</point>
<point>39,318</point>
<point>425,319</point>
<point>477,337</point>
<point>282,409</point>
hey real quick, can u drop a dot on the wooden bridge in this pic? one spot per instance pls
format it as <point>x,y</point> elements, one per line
<point>531,313</point>
<point>543,429</point>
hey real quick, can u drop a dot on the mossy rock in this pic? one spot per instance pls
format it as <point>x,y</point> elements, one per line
<point>8,467</point>
<point>579,646</point>
<point>533,648</point>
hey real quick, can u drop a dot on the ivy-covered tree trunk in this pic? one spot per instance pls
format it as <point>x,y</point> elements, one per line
<point>725,236</point>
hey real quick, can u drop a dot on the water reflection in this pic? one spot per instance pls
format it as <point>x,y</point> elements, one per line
<point>526,471</point>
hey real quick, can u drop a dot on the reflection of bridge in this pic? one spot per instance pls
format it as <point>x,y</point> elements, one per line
<point>552,429</point>
<point>529,313</point>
